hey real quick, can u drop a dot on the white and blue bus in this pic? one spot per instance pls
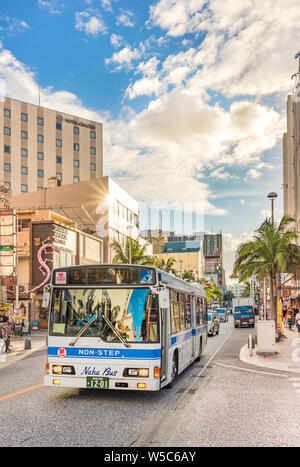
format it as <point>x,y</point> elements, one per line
<point>114,326</point>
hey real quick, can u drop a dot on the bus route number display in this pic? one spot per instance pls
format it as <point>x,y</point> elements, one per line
<point>111,275</point>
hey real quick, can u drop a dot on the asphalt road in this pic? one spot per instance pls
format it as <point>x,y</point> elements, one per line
<point>234,406</point>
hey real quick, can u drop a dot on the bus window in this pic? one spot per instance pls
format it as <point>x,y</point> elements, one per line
<point>134,313</point>
<point>198,310</point>
<point>181,311</point>
<point>175,327</point>
<point>203,311</point>
<point>188,317</point>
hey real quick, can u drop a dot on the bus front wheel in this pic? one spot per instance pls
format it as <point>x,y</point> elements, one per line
<point>174,370</point>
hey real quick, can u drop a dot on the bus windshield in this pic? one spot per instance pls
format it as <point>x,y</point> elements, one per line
<point>132,312</point>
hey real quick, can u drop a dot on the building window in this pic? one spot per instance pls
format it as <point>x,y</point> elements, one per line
<point>93,166</point>
<point>58,159</point>
<point>24,117</point>
<point>76,130</point>
<point>24,134</point>
<point>24,225</point>
<point>76,179</point>
<point>40,173</point>
<point>40,156</point>
<point>7,148</point>
<point>59,176</point>
<point>24,188</point>
<point>24,170</point>
<point>40,188</point>
<point>7,113</point>
<point>7,167</point>
<point>24,152</point>
<point>92,134</point>
<point>7,131</point>
<point>76,163</point>
<point>58,126</point>
<point>40,138</point>
<point>58,142</point>
<point>76,147</point>
<point>93,150</point>
<point>8,184</point>
<point>40,121</point>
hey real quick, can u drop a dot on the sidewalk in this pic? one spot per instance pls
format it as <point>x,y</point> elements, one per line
<point>18,351</point>
<point>287,357</point>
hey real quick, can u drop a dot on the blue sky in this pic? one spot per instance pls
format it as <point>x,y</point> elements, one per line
<point>191,93</point>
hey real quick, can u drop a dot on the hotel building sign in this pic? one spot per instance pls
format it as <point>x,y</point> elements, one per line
<point>74,122</point>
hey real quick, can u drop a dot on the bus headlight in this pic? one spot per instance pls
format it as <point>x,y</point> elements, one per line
<point>57,369</point>
<point>136,372</point>
<point>62,369</point>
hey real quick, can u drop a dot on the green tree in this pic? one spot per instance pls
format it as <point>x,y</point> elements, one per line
<point>132,250</point>
<point>213,292</point>
<point>167,266</point>
<point>189,275</point>
<point>228,296</point>
<point>247,291</point>
<point>270,252</point>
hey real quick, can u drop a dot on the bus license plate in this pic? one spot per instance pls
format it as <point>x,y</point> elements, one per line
<point>96,382</point>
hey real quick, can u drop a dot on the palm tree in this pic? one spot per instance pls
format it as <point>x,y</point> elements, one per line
<point>247,290</point>
<point>269,253</point>
<point>166,266</point>
<point>132,250</point>
<point>189,275</point>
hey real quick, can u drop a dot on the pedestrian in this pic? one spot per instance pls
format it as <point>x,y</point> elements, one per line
<point>7,344</point>
<point>297,319</point>
<point>284,314</point>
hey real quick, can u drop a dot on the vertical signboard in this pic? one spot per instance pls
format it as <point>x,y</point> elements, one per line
<point>41,234</point>
<point>6,243</point>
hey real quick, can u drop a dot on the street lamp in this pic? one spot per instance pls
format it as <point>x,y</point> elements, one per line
<point>272,196</point>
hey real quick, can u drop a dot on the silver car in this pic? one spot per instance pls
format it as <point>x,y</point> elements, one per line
<point>213,324</point>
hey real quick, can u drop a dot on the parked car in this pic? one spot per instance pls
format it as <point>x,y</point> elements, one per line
<point>222,314</point>
<point>213,324</point>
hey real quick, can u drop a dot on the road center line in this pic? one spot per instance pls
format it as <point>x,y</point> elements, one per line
<point>22,391</point>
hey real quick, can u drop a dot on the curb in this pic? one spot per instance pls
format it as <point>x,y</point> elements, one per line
<point>245,357</point>
<point>17,355</point>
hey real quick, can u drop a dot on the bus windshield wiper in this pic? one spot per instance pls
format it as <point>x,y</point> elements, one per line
<point>116,331</point>
<point>82,330</point>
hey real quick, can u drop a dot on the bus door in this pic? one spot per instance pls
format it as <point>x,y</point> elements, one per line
<point>164,305</point>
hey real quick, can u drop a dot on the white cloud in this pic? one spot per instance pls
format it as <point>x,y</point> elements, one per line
<point>177,17</point>
<point>90,22</point>
<point>123,58</point>
<point>254,174</point>
<point>12,26</point>
<point>230,246</point>
<point>115,40</point>
<point>255,55</point>
<point>220,174</point>
<point>54,7</point>
<point>126,18</point>
<point>106,4</point>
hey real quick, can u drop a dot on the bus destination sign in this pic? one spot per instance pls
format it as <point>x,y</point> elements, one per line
<point>106,275</point>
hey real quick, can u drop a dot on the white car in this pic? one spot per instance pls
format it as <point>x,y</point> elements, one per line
<point>213,324</point>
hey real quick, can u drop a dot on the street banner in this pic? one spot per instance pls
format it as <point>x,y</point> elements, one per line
<point>279,317</point>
